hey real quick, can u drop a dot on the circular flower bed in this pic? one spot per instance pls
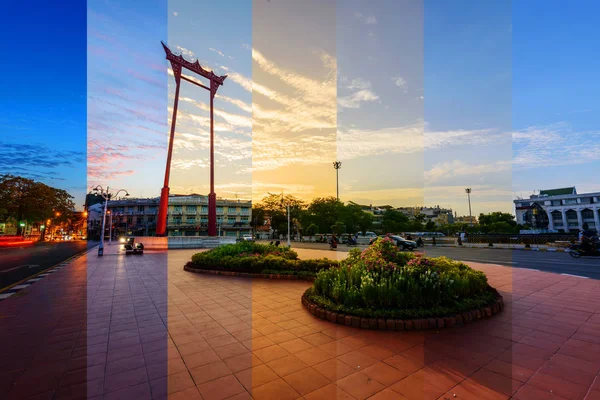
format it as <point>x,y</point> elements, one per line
<point>385,283</point>
<point>255,259</point>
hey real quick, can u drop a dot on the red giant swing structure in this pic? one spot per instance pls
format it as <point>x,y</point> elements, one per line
<point>177,64</point>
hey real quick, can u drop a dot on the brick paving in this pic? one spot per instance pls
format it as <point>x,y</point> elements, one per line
<point>98,329</point>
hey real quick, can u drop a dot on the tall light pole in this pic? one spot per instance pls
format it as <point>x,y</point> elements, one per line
<point>468,191</point>
<point>337,165</point>
<point>110,224</point>
<point>106,195</point>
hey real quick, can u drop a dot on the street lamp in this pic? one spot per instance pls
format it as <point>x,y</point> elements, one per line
<point>468,191</point>
<point>337,165</point>
<point>289,242</point>
<point>110,224</point>
<point>106,195</point>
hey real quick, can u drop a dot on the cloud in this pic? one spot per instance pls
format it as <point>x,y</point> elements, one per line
<point>217,51</point>
<point>359,83</point>
<point>355,143</point>
<point>185,52</point>
<point>234,120</point>
<point>443,172</point>
<point>236,102</point>
<point>399,81</point>
<point>367,19</point>
<point>557,144</point>
<point>356,99</point>
<point>187,164</point>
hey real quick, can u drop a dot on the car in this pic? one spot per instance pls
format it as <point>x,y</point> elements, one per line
<point>401,242</point>
<point>404,243</point>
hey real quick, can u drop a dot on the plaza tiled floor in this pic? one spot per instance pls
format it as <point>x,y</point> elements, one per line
<point>98,329</point>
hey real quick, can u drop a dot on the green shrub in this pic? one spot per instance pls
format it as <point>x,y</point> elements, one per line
<point>257,258</point>
<point>384,278</point>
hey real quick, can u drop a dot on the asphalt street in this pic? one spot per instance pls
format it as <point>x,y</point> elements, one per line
<point>557,262</point>
<point>44,254</point>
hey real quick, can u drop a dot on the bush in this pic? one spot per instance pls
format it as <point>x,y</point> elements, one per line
<point>384,279</point>
<point>258,258</point>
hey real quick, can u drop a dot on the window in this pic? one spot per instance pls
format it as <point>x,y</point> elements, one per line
<point>151,218</point>
<point>140,208</point>
<point>190,209</point>
<point>231,220</point>
<point>204,210</point>
<point>244,219</point>
<point>191,220</point>
<point>130,220</point>
<point>587,214</point>
<point>220,210</point>
<point>177,208</point>
<point>177,220</point>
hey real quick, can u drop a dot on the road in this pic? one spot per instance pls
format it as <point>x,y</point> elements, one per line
<point>556,262</point>
<point>44,254</point>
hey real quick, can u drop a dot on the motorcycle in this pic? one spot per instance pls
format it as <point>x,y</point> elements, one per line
<point>577,251</point>
<point>352,242</point>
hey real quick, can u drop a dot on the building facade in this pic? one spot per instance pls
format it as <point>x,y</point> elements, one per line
<point>187,216</point>
<point>560,210</point>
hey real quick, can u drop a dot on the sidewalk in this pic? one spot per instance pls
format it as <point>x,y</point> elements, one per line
<point>139,327</point>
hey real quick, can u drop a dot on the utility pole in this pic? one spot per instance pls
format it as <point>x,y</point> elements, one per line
<point>468,191</point>
<point>337,165</point>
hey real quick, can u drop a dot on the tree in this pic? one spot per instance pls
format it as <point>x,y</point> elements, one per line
<point>497,216</point>
<point>498,222</point>
<point>324,212</point>
<point>356,219</point>
<point>394,221</point>
<point>312,230</point>
<point>338,228</point>
<point>430,226</point>
<point>24,200</point>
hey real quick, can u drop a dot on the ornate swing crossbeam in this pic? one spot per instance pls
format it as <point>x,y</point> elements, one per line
<point>178,63</point>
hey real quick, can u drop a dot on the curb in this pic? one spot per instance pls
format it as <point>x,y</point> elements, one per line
<point>15,288</point>
<point>553,249</point>
<point>404,324</point>
<point>249,275</point>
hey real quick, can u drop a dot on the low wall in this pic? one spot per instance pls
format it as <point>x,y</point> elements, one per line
<point>182,242</point>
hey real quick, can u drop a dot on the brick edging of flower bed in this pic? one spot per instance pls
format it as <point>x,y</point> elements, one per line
<point>404,324</point>
<point>249,275</point>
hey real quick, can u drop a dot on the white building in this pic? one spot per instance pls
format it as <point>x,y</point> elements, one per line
<point>560,210</point>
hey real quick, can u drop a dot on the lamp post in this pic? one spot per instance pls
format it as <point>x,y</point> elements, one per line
<point>468,191</point>
<point>106,195</point>
<point>110,228</point>
<point>337,165</point>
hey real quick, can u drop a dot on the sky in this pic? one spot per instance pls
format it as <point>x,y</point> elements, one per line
<point>556,117</point>
<point>127,88</point>
<point>190,33</point>
<point>419,100</point>
<point>43,101</point>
